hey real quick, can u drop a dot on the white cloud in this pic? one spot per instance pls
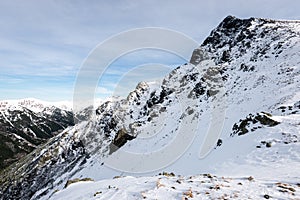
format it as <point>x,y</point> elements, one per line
<point>103,91</point>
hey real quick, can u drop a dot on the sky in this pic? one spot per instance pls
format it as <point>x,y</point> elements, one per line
<point>43,44</point>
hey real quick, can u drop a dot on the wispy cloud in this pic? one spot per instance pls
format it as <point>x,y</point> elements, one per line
<point>104,91</point>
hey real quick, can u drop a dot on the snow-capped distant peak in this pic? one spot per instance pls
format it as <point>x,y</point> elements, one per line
<point>33,104</point>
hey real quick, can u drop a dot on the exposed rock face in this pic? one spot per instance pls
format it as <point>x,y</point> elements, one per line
<point>120,139</point>
<point>253,122</point>
<point>198,56</point>
<point>235,37</point>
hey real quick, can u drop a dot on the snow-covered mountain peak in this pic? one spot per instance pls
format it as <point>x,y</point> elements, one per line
<point>256,37</point>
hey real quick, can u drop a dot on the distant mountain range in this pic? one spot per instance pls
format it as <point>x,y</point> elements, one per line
<point>26,123</point>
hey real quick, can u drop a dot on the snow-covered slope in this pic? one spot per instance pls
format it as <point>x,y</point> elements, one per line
<point>241,86</point>
<point>204,186</point>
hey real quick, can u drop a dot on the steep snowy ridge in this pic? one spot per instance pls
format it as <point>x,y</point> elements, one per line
<point>245,78</point>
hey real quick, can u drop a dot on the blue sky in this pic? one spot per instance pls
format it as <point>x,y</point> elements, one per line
<point>44,43</point>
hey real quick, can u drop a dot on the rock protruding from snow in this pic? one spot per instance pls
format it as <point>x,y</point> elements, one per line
<point>199,55</point>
